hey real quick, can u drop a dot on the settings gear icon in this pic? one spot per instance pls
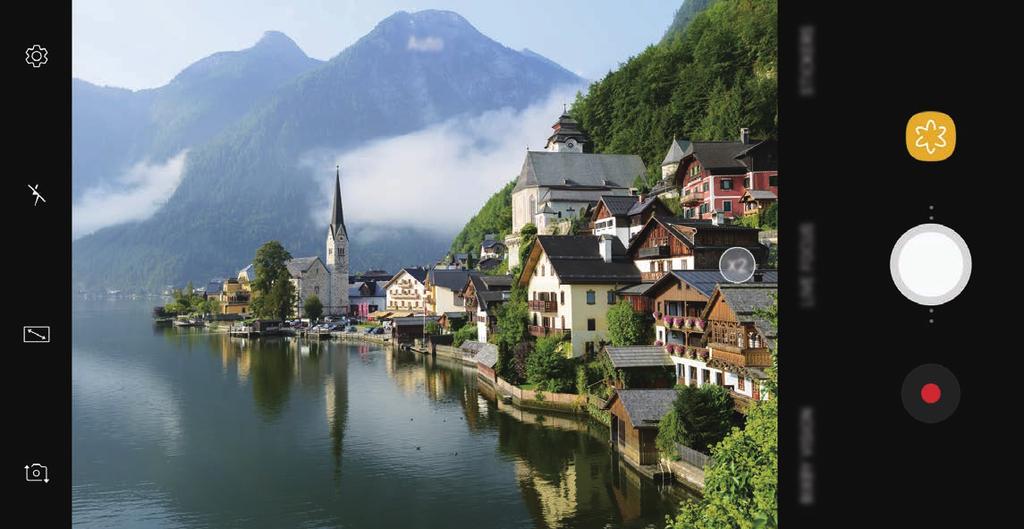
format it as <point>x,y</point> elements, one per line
<point>36,56</point>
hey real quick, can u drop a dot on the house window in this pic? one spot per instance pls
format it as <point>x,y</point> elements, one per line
<point>727,205</point>
<point>588,348</point>
<point>706,187</point>
<point>591,324</point>
<point>611,297</point>
<point>563,322</point>
<point>693,375</point>
<point>741,383</point>
<point>705,376</point>
<point>591,297</point>
<point>561,296</point>
<point>773,180</point>
<point>726,183</point>
<point>718,379</point>
<point>746,182</point>
<point>316,290</point>
<point>704,208</point>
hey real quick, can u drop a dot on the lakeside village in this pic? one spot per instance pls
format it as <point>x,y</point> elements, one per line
<point>600,300</point>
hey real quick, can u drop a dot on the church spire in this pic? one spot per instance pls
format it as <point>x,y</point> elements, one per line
<point>337,217</point>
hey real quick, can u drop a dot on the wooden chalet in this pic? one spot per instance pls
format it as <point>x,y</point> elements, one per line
<point>635,414</point>
<point>675,243</point>
<point>679,299</point>
<point>624,215</point>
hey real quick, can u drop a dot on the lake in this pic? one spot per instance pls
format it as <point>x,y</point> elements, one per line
<point>184,428</point>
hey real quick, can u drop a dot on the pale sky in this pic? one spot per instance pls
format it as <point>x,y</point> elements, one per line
<point>144,43</point>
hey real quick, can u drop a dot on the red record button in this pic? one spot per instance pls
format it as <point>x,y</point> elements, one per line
<point>930,393</point>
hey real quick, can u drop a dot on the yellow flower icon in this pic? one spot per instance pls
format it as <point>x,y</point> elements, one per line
<point>931,136</point>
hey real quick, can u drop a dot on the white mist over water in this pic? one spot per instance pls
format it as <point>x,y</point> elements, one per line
<point>135,195</point>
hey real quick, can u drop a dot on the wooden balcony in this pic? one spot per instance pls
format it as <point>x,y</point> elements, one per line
<point>542,305</point>
<point>540,331</point>
<point>660,250</point>
<point>693,199</point>
<point>760,357</point>
<point>651,276</point>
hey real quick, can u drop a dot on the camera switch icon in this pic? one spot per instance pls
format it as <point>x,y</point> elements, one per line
<point>36,472</point>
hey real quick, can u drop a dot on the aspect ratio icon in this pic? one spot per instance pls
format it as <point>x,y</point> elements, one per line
<point>36,334</point>
<point>931,136</point>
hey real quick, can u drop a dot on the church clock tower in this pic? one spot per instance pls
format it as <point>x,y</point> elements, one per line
<point>337,255</point>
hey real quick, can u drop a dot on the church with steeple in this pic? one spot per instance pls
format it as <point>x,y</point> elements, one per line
<point>327,279</point>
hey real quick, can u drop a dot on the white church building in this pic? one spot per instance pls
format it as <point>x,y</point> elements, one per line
<point>327,280</point>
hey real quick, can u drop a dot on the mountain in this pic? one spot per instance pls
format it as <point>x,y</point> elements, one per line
<point>248,183</point>
<point>113,128</point>
<point>718,75</point>
<point>494,217</point>
<point>684,15</point>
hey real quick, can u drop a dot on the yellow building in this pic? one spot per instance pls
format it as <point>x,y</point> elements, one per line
<point>571,282</point>
<point>236,295</point>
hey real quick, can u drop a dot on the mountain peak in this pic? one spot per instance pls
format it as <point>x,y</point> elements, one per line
<point>276,40</point>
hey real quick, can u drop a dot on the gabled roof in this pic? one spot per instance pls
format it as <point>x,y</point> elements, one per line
<point>497,282</point>
<point>681,228</point>
<point>642,206</point>
<point>300,265</point>
<point>747,301</point>
<point>490,243</point>
<point>724,157</point>
<point>489,264</point>
<point>577,259</point>
<point>758,194</point>
<point>645,407</point>
<point>618,205</point>
<point>639,356</point>
<point>572,169</point>
<point>417,273</point>
<point>677,150</point>
<point>454,280</point>
<point>638,289</point>
<point>705,281</point>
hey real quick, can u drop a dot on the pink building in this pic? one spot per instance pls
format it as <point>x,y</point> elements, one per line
<point>714,177</point>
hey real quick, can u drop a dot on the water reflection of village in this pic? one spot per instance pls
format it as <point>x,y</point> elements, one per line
<point>563,466</point>
<point>564,470</point>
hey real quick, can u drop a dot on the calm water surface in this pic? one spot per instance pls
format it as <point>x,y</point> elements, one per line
<point>177,428</point>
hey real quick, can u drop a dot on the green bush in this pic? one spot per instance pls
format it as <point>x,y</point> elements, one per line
<point>547,366</point>
<point>466,333</point>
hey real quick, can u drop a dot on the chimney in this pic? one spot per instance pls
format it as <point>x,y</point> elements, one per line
<point>718,218</point>
<point>640,197</point>
<point>604,245</point>
<point>745,135</point>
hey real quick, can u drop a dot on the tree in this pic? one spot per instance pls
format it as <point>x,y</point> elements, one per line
<point>314,308</point>
<point>547,366</point>
<point>627,326</point>
<point>527,234</point>
<point>703,416</point>
<point>512,329</point>
<point>431,328</point>
<point>276,294</point>
<point>741,485</point>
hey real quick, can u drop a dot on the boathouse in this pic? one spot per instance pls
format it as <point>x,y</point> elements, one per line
<point>635,414</point>
<point>642,366</point>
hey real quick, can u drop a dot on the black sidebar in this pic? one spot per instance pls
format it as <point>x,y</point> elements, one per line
<point>899,141</point>
<point>37,213</point>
